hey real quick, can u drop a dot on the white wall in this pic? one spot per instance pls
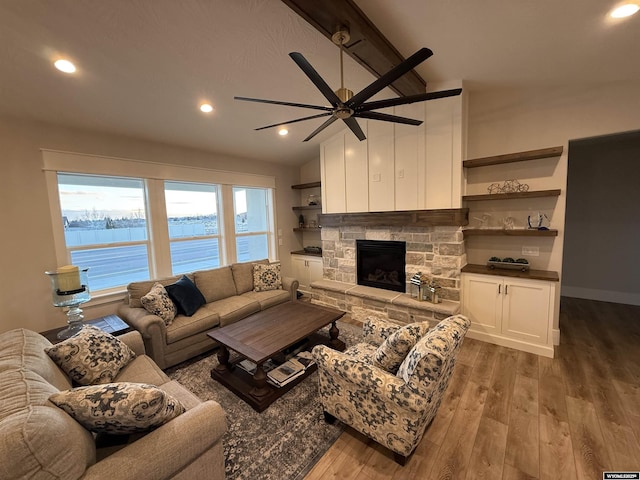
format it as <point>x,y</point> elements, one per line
<point>26,239</point>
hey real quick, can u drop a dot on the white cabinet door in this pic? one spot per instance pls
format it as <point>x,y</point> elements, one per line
<point>300,271</point>
<point>381,165</point>
<point>315,268</point>
<point>409,156</point>
<point>525,310</point>
<point>356,172</point>
<point>482,302</point>
<point>333,175</point>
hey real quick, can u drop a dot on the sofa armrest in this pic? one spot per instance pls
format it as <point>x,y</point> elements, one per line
<point>151,327</point>
<point>134,341</point>
<point>165,451</point>
<point>352,374</point>
<point>291,285</point>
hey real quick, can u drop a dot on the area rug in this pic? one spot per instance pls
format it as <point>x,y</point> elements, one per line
<point>281,443</point>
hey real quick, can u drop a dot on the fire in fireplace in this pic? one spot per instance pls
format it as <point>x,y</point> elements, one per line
<point>381,264</point>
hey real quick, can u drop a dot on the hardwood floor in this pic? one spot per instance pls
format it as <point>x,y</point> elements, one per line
<point>513,415</point>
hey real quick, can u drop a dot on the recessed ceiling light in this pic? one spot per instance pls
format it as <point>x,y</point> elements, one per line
<point>625,10</point>
<point>65,66</point>
<point>283,131</point>
<point>206,108</point>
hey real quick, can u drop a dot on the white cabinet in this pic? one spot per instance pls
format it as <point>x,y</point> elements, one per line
<point>356,171</point>
<point>306,269</point>
<point>512,312</point>
<point>409,155</point>
<point>332,174</point>
<point>381,166</point>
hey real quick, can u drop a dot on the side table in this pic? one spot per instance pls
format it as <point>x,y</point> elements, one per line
<point>110,323</point>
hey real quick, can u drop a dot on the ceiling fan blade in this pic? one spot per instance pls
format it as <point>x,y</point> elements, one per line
<point>294,121</point>
<point>288,104</point>
<point>321,127</point>
<point>389,77</point>
<point>392,102</point>
<point>315,77</point>
<point>352,123</point>
<point>388,118</point>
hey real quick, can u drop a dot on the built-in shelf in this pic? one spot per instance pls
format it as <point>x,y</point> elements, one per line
<point>514,157</point>
<point>508,196</point>
<point>311,254</point>
<point>307,207</point>
<point>516,232</point>
<point>307,229</point>
<point>300,186</point>
<point>532,274</point>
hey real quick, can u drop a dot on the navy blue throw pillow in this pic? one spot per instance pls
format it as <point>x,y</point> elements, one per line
<point>186,296</point>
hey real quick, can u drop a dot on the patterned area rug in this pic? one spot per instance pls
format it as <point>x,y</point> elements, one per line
<point>281,443</point>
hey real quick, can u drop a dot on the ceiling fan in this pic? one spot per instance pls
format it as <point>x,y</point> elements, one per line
<point>345,105</point>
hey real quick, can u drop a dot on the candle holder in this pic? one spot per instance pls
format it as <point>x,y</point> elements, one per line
<point>70,289</point>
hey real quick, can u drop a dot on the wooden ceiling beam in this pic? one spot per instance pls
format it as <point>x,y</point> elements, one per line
<point>367,45</point>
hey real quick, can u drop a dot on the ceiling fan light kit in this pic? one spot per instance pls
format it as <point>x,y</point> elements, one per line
<point>345,105</point>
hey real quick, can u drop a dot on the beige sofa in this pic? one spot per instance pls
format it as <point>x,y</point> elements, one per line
<point>230,297</point>
<point>41,441</point>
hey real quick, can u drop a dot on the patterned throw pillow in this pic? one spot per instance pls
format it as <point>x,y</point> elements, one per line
<point>266,277</point>
<point>391,353</point>
<point>186,296</point>
<point>158,303</point>
<point>118,408</point>
<point>91,356</point>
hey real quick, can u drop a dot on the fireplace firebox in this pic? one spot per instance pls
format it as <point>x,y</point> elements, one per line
<point>381,264</point>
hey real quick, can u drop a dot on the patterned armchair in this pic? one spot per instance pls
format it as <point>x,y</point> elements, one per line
<point>389,387</point>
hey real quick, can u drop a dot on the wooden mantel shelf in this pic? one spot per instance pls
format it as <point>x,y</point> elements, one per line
<point>515,232</point>
<point>419,218</point>
<point>511,196</point>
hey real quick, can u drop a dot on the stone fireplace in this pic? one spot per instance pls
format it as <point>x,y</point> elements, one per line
<point>434,245</point>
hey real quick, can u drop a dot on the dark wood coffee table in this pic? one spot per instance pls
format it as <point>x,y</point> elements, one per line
<point>265,335</point>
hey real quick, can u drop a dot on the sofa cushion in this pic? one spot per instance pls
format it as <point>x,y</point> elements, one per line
<point>215,284</point>
<point>202,321</point>
<point>269,298</point>
<point>243,275</point>
<point>266,277</point>
<point>392,352</point>
<point>137,290</point>
<point>158,303</point>
<point>233,308</point>
<point>91,356</point>
<point>118,408</point>
<point>186,296</point>
<point>142,369</point>
<point>24,348</point>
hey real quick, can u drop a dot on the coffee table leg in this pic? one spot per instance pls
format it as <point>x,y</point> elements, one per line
<point>260,387</point>
<point>333,334</point>
<point>223,360</point>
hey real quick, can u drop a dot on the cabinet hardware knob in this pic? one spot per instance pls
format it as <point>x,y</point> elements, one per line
<point>506,289</point>
<point>499,289</point>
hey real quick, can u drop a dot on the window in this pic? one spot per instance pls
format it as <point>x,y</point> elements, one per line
<point>253,224</point>
<point>105,227</point>
<point>192,218</point>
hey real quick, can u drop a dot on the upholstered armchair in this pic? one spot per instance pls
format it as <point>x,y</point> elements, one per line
<point>389,387</point>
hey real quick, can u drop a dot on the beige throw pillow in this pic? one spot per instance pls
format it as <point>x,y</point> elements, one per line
<point>392,352</point>
<point>157,302</point>
<point>267,277</point>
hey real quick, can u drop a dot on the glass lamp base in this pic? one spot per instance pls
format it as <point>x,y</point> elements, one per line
<point>70,331</point>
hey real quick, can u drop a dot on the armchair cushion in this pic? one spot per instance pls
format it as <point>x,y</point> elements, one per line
<point>91,356</point>
<point>118,408</point>
<point>157,302</point>
<point>376,330</point>
<point>186,296</point>
<point>392,352</point>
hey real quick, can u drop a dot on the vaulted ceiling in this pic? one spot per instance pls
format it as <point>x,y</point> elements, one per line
<point>145,66</point>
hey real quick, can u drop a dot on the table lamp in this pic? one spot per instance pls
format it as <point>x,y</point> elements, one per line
<point>70,288</point>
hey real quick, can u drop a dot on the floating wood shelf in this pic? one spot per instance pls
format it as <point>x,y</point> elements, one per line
<point>516,232</point>
<point>514,157</point>
<point>508,196</point>
<point>307,207</point>
<point>300,186</point>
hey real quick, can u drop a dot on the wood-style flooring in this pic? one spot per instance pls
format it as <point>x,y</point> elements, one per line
<point>513,415</point>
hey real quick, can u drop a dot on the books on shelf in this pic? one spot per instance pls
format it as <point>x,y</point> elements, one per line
<point>290,370</point>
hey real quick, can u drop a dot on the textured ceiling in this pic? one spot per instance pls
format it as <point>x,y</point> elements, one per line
<point>145,65</point>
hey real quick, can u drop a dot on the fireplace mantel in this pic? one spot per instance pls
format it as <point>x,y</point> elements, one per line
<point>455,217</point>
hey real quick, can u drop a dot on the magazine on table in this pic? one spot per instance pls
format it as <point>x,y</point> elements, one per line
<point>291,369</point>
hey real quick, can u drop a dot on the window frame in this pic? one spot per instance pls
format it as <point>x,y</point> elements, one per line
<point>153,174</point>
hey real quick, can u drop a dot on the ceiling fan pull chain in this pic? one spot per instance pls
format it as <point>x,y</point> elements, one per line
<point>341,65</point>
